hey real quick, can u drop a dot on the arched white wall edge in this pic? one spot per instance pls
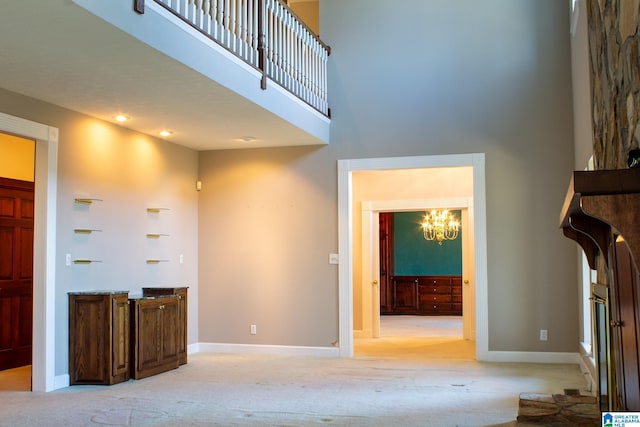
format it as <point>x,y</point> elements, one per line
<point>44,245</point>
<point>345,244</point>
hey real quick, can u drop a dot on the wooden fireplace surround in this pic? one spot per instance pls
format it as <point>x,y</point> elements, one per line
<point>601,213</point>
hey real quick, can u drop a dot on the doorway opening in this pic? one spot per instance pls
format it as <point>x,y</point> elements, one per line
<point>17,157</point>
<point>402,274</point>
<point>351,253</point>
<point>44,248</point>
<point>419,288</point>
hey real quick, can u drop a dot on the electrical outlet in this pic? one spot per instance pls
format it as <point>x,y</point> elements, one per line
<point>67,260</point>
<point>253,330</point>
<point>543,335</point>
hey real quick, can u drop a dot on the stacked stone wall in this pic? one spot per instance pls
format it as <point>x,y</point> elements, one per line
<point>614,46</point>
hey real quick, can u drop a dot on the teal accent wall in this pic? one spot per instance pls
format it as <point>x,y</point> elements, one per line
<point>415,256</point>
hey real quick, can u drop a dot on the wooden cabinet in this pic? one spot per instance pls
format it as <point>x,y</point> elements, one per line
<point>427,295</point>
<point>154,335</point>
<point>181,292</point>
<point>98,337</point>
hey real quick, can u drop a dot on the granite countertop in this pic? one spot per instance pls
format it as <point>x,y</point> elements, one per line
<point>142,297</point>
<point>97,292</point>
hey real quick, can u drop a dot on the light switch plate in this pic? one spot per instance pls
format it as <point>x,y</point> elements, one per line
<point>333,259</point>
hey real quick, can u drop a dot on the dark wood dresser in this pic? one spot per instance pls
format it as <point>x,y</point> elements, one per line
<point>427,295</point>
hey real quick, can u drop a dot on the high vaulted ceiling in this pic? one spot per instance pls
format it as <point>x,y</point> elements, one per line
<point>60,53</point>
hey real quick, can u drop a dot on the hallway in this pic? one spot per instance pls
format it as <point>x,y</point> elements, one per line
<point>419,337</point>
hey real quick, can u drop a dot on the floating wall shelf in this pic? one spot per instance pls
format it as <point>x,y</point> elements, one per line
<point>85,201</point>
<point>85,261</point>
<point>156,261</point>
<point>156,235</point>
<point>156,210</point>
<point>85,230</point>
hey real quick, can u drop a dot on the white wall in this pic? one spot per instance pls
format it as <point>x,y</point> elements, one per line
<point>129,172</point>
<point>442,77</point>
<point>406,78</point>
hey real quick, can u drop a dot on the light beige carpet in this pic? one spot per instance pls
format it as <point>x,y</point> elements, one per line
<point>411,386</point>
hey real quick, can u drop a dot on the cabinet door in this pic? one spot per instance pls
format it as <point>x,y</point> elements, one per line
<point>89,339</point>
<point>120,336</point>
<point>170,318</point>
<point>182,325</point>
<point>148,335</point>
<point>405,294</point>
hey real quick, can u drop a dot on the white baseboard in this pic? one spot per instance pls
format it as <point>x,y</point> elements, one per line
<point>282,350</point>
<point>529,357</point>
<point>587,366</point>
<point>60,381</point>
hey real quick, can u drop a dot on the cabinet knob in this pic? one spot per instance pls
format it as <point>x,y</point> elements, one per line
<point>375,282</point>
<point>466,282</point>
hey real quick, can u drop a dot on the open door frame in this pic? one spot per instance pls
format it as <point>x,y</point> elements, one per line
<point>44,246</point>
<point>371,256</point>
<point>345,239</point>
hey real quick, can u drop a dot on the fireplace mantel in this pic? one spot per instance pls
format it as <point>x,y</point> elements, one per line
<point>598,201</point>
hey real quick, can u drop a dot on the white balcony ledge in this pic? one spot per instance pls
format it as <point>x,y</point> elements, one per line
<point>98,57</point>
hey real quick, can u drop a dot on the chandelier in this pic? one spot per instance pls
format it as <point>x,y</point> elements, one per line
<point>440,225</point>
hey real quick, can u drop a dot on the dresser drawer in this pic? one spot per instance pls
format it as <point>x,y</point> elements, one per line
<point>426,299</point>
<point>431,280</point>
<point>435,308</point>
<point>434,289</point>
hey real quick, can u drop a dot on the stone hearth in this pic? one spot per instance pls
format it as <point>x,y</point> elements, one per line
<point>559,410</point>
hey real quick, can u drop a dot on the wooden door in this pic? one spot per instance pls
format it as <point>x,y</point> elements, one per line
<point>16,272</point>
<point>386,294</point>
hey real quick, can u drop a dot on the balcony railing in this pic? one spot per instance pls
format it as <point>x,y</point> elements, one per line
<point>267,35</point>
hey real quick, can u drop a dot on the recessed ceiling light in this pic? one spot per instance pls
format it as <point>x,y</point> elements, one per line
<point>121,118</point>
<point>248,138</point>
<point>166,133</point>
